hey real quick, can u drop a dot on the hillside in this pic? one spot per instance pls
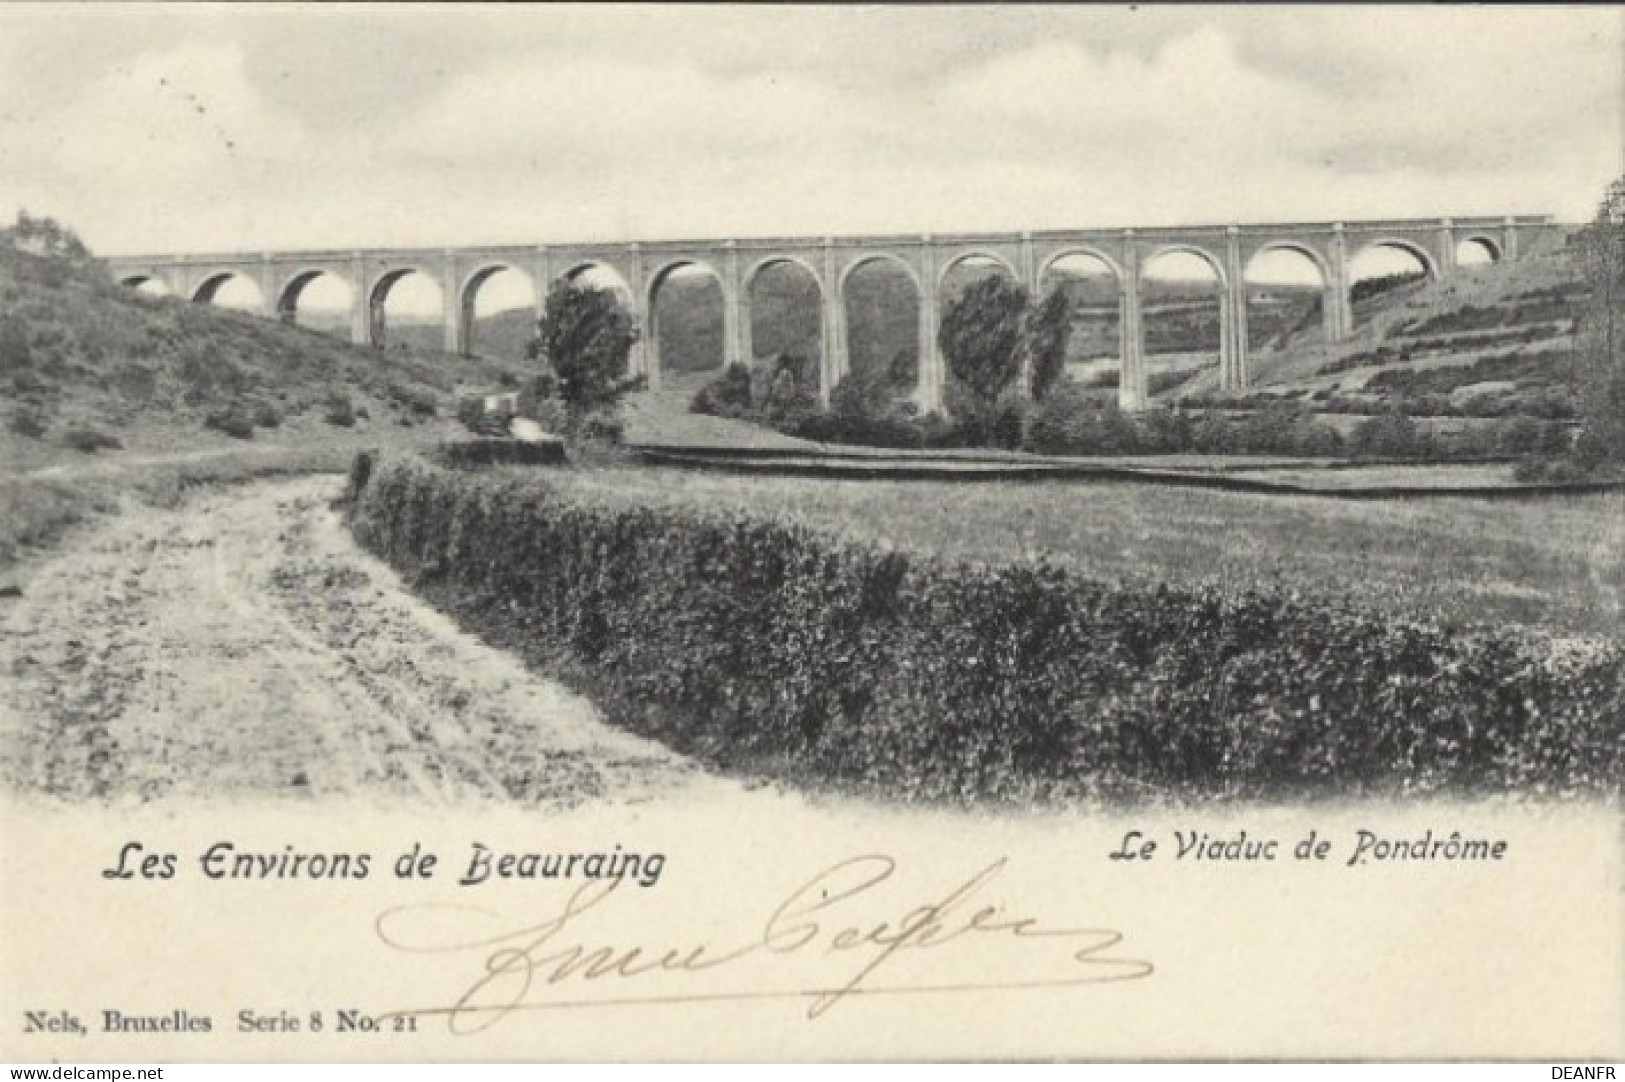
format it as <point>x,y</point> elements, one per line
<point>84,362</point>
<point>1491,340</point>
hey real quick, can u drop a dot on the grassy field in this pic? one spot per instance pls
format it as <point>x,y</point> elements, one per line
<point>1555,563</point>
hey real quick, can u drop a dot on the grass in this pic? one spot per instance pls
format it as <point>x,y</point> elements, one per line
<point>46,499</point>
<point>1558,563</point>
<point>38,511</point>
<point>83,362</point>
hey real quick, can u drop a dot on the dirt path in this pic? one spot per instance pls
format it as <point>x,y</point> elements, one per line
<point>242,646</point>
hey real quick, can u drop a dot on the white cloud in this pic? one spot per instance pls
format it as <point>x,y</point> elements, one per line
<point>606,108</point>
<point>261,132</point>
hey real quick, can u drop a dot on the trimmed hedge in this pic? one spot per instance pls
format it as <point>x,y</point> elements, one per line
<point>495,451</point>
<point>768,646</point>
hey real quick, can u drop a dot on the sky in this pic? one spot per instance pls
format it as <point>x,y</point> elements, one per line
<point>208,128</point>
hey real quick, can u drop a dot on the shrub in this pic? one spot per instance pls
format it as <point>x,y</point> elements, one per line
<point>339,410</point>
<point>780,392</point>
<point>207,377</point>
<point>236,421</point>
<point>28,423</point>
<point>728,395</point>
<point>1287,429</point>
<point>135,381</point>
<point>472,411</point>
<point>1069,422</point>
<point>15,351</point>
<point>90,440</point>
<point>265,415</point>
<point>418,401</point>
<point>863,409</point>
<point>1552,469</point>
<point>1394,434</point>
<point>1007,427</point>
<point>772,646</point>
<point>471,454</point>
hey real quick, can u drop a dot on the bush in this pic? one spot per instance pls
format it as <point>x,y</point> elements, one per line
<point>771,646</point>
<point>90,440</point>
<point>418,401</point>
<point>1394,434</point>
<point>135,382</point>
<point>207,377</point>
<point>339,410</point>
<point>864,409</point>
<point>235,421</point>
<point>780,392</point>
<point>1553,469</point>
<point>471,454</point>
<point>265,415</point>
<point>28,423</point>
<point>728,395</point>
<point>1288,429</point>
<point>1069,422</point>
<point>15,351</point>
<point>478,418</point>
<point>471,412</point>
<point>1008,426</point>
<point>1072,423</point>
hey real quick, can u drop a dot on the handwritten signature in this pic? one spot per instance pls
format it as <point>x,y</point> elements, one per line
<point>520,966</point>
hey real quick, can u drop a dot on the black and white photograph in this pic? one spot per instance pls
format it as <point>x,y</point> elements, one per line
<point>648,532</point>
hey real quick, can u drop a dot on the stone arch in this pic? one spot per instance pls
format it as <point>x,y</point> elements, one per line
<point>658,280</point>
<point>975,254</point>
<point>468,299</point>
<point>1214,263</point>
<point>389,279</point>
<point>208,290</point>
<point>1176,329</point>
<point>775,260</point>
<point>1488,245</point>
<point>666,270</point>
<point>866,258</point>
<point>150,284</point>
<point>846,325</point>
<point>478,277</point>
<point>1086,250</point>
<point>1097,341</point>
<point>1430,265</point>
<point>788,330</point>
<point>378,298</point>
<point>293,287</point>
<point>1363,304</point>
<point>618,285</point>
<point>1308,251</point>
<point>1272,314</point>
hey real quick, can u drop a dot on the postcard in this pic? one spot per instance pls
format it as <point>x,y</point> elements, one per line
<point>708,533</point>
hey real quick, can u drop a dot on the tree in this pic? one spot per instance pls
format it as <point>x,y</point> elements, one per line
<point>990,334</point>
<point>1048,327</point>
<point>1601,442</point>
<point>585,335</point>
<point>981,336</point>
<point>45,237</point>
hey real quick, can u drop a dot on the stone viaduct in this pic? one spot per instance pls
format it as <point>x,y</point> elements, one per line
<point>830,261</point>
